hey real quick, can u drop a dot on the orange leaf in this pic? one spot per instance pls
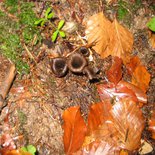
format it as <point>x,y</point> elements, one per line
<point>97,115</point>
<point>152,125</point>
<point>131,66</point>
<point>141,96</point>
<point>16,152</point>
<point>100,148</point>
<point>129,123</point>
<point>110,92</point>
<point>115,72</point>
<point>97,32</point>
<point>152,39</point>
<point>74,129</point>
<point>121,42</point>
<point>141,78</point>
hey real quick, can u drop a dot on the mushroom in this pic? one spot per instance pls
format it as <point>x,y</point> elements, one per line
<point>84,51</point>
<point>90,72</point>
<point>76,62</point>
<point>59,66</point>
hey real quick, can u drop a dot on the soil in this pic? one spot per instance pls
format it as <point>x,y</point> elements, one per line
<point>36,101</point>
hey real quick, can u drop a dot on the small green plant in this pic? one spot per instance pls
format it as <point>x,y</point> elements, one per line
<point>151,24</point>
<point>47,19</point>
<point>29,148</point>
<point>58,31</point>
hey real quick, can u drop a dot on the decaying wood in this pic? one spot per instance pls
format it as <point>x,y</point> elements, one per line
<point>5,86</point>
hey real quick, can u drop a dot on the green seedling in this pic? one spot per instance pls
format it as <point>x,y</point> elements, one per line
<point>151,24</point>
<point>47,19</point>
<point>48,15</point>
<point>29,148</point>
<point>58,31</point>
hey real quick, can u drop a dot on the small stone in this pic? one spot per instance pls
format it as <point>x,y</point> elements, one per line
<point>70,27</point>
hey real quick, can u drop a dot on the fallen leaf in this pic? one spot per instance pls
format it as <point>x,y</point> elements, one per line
<point>141,96</point>
<point>152,125</point>
<point>100,148</point>
<point>110,92</point>
<point>16,152</point>
<point>109,38</point>
<point>129,123</point>
<point>74,129</point>
<point>97,32</point>
<point>98,113</point>
<point>114,74</point>
<point>152,39</point>
<point>141,78</point>
<point>121,42</point>
<point>133,64</point>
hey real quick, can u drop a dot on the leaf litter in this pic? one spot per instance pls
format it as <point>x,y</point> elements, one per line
<point>37,102</point>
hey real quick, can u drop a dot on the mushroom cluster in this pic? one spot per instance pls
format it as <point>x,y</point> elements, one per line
<point>76,62</point>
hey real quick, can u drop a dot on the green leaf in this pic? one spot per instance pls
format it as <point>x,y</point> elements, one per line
<point>151,24</point>
<point>50,15</point>
<point>61,24</point>
<point>47,12</point>
<point>37,22</point>
<point>55,35</point>
<point>31,149</point>
<point>24,149</point>
<point>62,34</point>
<point>42,23</point>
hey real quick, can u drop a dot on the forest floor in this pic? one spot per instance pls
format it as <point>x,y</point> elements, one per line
<point>37,99</point>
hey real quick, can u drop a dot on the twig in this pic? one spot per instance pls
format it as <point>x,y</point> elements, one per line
<point>4,88</point>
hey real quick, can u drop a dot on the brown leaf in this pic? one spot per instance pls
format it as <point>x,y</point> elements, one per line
<point>114,74</point>
<point>133,64</point>
<point>110,92</point>
<point>121,42</point>
<point>109,38</point>
<point>129,123</point>
<point>152,125</point>
<point>97,115</point>
<point>97,32</point>
<point>141,96</point>
<point>74,129</point>
<point>141,78</point>
<point>152,39</point>
<point>100,148</point>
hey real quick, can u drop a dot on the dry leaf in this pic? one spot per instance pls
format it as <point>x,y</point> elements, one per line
<point>152,125</point>
<point>109,38</point>
<point>141,78</point>
<point>129,123</point>
<point>141,96</point>
<point>133,64</point>
<point>74,129</point>
<point>110,92</point>
<point>100,148</point>
<point>114,74</point>
<point>16,152</point>
<point>121,42</point>
<point>152,39</point>
<point>97,32</point>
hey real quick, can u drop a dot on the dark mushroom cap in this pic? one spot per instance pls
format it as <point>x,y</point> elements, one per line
<point>76,62</point>
<point>59,66</point>
<point>84,51</point>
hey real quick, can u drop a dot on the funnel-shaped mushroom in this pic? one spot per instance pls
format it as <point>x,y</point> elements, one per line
<point>76,62</point>
<point>59,66</point>
<point>84,51</point>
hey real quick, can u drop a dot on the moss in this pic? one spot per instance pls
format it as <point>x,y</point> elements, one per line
<point>13,33</point>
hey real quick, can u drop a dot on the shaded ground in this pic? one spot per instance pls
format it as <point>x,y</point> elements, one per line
<point>36,101</point>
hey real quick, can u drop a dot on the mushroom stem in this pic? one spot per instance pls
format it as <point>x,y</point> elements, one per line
<point>90,73</point>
